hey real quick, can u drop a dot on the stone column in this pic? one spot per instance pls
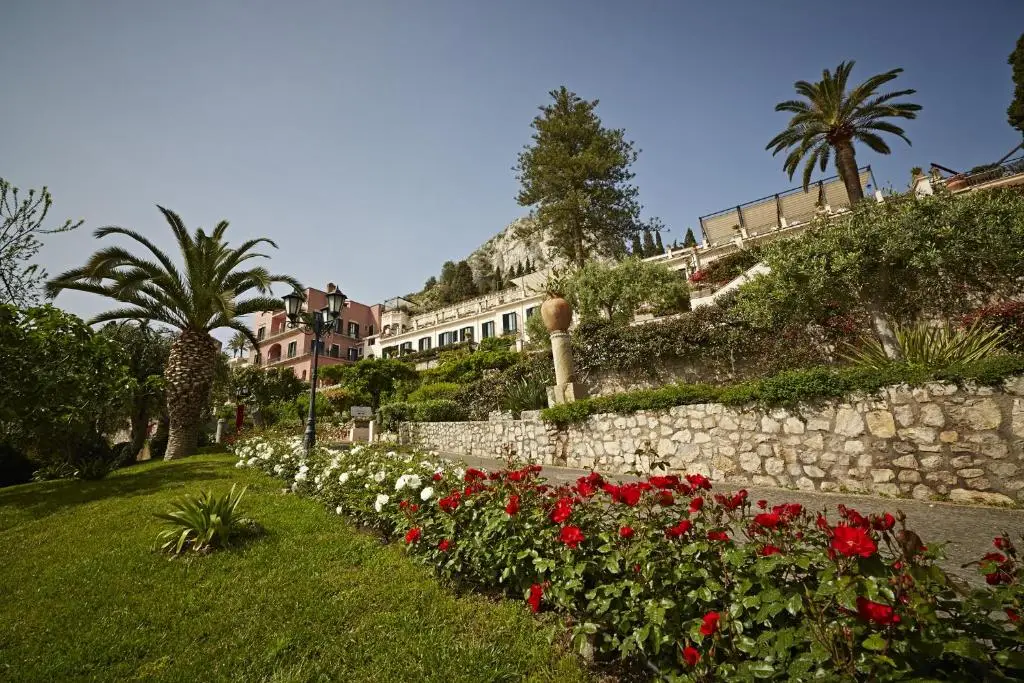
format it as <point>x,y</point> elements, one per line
<point>561,350</point>
<point>220,430</point>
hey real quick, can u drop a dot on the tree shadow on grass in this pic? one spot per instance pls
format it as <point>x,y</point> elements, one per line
<point>46,498</point>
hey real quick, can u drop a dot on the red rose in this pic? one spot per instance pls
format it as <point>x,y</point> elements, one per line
<point>769,520</point>
<point>571,536</point>
<point>563,508</point>
<point>473,474</point>
<point>696,504</point>
<point>852,541</point>
<point>513,505</point>
<point>769,550</point>
<point>679,529</point>
<point>763,504</point>
<point>444,545</point>
<point>413,535</point>
<point>626,532</point>
<point>536,593</point>
<point>630,494</point>
<point>690,655</point>
<point>584,488</point>
<point>1002,570</point>
<point>437,476</point>
<point>699,481</point>
<point>710,624</point>
<point>788,511</point>
<point>665,498</point>
<point>876,612</point>
<point>1001,542</point>
<point>1012,615</point>
<point>669,482</point>
<point>450,502</point>
<point>718,536</point>
<point>883,523</point>
<point>415,507</point>
<point>402,505</point>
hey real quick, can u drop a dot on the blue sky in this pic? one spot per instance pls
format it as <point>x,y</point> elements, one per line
<point>375,140</point>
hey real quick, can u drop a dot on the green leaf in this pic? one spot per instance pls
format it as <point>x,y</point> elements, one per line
<point>874,642</point>
<point>964,647</point>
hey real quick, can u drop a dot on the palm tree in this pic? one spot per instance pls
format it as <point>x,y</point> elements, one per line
<point>195,300</point>
<point>830,118</point>
<point>238,343</point>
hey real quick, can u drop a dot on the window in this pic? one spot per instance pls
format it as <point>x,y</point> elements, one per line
<point>466,334</point>
<point>353,353</point>
<point>335,351</point>
<point>509,323</point>
<point>424,343</point>
<point>291,350</point>
<point>353,329</point>
<point>406,348</point>
<point>446,338</point>
<point>530,312</point>
<point>369,330</point>
<point>303,374</point>
<point>487,330</point>
<point>261,334</point>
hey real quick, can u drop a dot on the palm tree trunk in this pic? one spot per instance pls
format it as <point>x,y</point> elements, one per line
<point>846,165</point>
<point>886,336</point>
<point>189,376</point>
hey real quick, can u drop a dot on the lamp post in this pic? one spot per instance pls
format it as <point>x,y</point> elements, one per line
<point>320,323</point>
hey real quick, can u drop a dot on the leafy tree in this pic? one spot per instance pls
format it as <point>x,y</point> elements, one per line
<point>899,260</point>
<point>689,240</point>
<point>635,246</point>
<point>616,291</point>
<point>576,176</point>
<point>265,387</point>
<point>145,350</point>
<point>1015,112</point>
<point>658,244</point>
<point>64,386</point>
<point>376,377</point>
<point>830,118</point>
<point>430,283</point>
<point>485,276</point>
<point>204,295</point>
<point>21,225</point>
<point>648,248</point>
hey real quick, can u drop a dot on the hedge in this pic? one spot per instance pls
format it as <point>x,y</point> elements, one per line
<point>784,389</point>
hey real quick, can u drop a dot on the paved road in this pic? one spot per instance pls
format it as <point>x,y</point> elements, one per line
<point>967,529</point>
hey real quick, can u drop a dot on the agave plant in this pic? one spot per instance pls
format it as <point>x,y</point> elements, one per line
<point>929,346</point>
<point>525,393</point>
<point>201,523</point>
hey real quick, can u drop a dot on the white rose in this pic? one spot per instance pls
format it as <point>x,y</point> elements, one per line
<point>379,477</point>
<point>338,510</point>
<point>343,478</point>
<point>382,500</point>
<point>240,464</point>
<point>426,494</point>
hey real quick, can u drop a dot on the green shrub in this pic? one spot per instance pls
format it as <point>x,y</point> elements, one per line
<point>502,343</point>
<point>201,523</point>
<point>437,390</point>
<point>15,466</point>
<point>524,393</point>
<point>788,389</point>
<point>440,410</point>
<point>466,367</point>
<point>928,346</point>
<point>391,415</point>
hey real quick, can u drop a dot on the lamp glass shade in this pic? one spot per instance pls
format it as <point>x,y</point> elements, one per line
<point>335,302</point>
<point>292,303</point>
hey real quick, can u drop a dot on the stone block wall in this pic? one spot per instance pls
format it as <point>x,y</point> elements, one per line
<point>939,440</point>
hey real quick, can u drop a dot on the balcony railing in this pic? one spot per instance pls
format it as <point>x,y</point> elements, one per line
<point>983,176</point>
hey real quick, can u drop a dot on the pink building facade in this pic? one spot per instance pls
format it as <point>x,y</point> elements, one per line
<point>282,346</point>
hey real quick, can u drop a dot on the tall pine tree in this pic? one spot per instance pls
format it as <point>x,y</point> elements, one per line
<point>576,177</point>
<point>635,248</point>
<point>648,247</point>
<point>658,244</point>
<point>1015,113</point>
<point>689,240</point>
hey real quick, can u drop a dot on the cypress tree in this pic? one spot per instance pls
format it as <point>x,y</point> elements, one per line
<point>648,248</point>
<point>689,240</point>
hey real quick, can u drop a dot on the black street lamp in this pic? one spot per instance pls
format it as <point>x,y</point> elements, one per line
<point>320,323</point>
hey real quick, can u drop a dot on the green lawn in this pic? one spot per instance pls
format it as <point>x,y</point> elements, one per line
<point>83,596</point>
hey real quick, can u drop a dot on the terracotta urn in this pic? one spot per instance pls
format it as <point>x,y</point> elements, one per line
<point>556,313</point>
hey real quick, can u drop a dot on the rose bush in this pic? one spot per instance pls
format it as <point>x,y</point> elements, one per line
<point>697,585</point>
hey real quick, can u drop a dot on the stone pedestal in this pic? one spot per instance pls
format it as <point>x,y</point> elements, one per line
<point>220,430</point>
<point>565,389</point>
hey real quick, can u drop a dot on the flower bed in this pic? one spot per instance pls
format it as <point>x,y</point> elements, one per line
<point>697,585</point>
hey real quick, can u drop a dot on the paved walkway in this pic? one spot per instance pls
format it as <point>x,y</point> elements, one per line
<point>967,529</point>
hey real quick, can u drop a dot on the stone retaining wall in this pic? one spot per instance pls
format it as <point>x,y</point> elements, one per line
<point>939,440</point>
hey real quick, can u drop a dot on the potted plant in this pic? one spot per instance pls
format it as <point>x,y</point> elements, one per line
<point>556,312</point>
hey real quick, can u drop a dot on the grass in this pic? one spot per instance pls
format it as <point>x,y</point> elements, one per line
<point>83,596</point>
